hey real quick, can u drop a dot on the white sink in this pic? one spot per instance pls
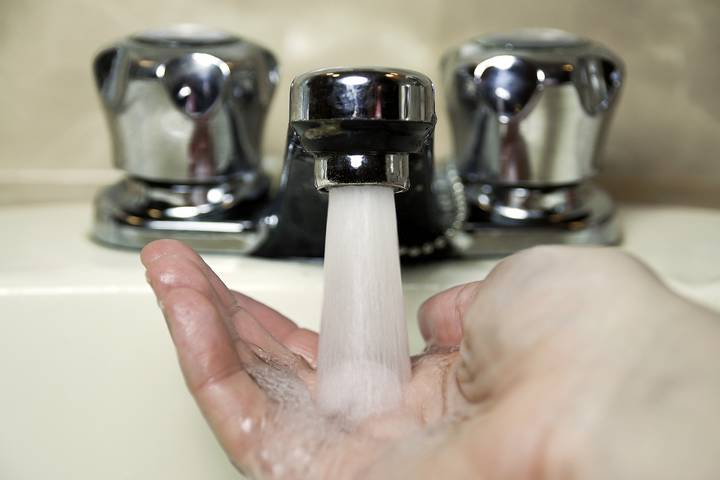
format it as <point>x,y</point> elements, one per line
<point>90,384</point>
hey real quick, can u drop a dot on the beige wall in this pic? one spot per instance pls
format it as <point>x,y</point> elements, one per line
<point>666,133</point>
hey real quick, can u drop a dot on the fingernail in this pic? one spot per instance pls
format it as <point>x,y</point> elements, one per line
<point>300,351</point>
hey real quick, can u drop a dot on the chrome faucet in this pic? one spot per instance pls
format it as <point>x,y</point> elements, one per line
<point>529,113</point>
<point>186,109</point>
<point>360,126</point>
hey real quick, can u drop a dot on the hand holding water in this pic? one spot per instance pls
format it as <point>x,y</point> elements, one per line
<point>573,363</point>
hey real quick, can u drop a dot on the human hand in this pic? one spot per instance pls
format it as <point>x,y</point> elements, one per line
<point>550,342</point>
<point>578,363</point>
<point>252,373</point>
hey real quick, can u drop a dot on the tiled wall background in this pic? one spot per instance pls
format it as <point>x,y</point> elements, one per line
<point>664,145</point>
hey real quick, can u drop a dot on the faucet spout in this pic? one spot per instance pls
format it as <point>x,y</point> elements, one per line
<point>361,124</point>
<point>358,126</point>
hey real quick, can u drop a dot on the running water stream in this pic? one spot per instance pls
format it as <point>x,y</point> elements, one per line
<point>363,353</point>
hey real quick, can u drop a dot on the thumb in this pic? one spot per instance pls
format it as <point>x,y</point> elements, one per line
<point>441,316</point>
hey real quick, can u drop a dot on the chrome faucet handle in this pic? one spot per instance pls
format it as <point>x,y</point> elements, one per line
<point>185,104</point>
<point>529,111</point>
<point>186,108</point>
<point>530,107</point>
<point>362,123</point>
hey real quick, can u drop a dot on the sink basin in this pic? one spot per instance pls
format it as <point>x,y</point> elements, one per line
<point>91,388</point>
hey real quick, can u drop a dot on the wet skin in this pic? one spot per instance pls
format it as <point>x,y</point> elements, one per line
<point>564,363</point>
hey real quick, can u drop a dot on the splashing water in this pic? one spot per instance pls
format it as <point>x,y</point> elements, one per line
<point>363,358</point>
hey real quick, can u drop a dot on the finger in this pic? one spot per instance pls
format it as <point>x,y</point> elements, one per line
<point>232,403</point>
<point>441,316</point>
<point>303,342</point>
<point>173,264</point>
<point>267,347</point>
<point>273,321</point>
<point>170,268</point>
<point>172,271</point>
<point>161,250</point>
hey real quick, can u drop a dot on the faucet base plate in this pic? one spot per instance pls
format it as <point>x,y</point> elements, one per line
<point>501,228</point>
<point>210,218</point>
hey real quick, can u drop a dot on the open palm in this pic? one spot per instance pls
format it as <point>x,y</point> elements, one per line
<point>252,373</point>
